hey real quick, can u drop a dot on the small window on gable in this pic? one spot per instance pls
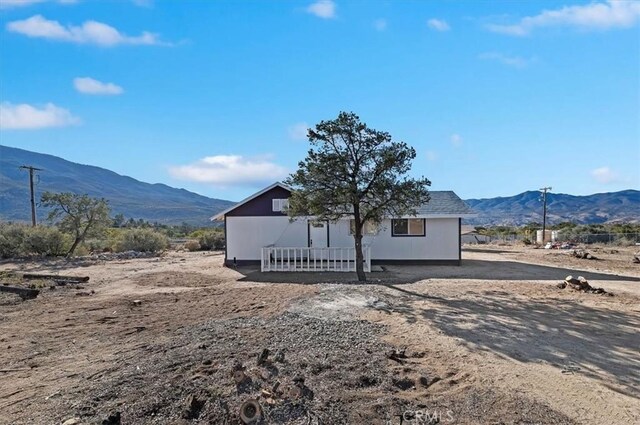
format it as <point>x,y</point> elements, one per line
<point>408,227</point>
<point>280,205</point>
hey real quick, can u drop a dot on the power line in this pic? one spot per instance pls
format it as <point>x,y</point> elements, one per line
<point>544,191</point>
<point>33,199</point>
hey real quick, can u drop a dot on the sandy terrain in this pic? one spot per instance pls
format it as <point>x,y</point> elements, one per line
<point>491,341</point>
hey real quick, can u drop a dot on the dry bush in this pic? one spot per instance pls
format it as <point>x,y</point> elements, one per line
<point>43,240</point>
<point>143,240</point>
<point>20,239</point>
<point>191,246</point>
<point>212,239</point>
<point>11,237</point>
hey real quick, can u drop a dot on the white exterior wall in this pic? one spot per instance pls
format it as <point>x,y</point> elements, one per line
<point>441,241</point>
<point>247,235</point>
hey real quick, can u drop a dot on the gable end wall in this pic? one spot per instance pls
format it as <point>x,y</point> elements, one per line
<point>261,206</point>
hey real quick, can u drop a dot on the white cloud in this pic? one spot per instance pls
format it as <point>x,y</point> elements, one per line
<point>512,61</point>
<point>438,25</point>
<point>456,140</point>
<point>592,16</point>
<point>604,175</point>
<point>325,9</point>
<point>298,131</point>
<point>380,24</point>
<point>27,117</point>
<point>88,85</point>
<point>231,170</point>
<point>7,4</point>
<point>431,155</point>
<point>90,32</point>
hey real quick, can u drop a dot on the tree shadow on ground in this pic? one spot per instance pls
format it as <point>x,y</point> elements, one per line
<point>469,269</point>
<point>577,338</point>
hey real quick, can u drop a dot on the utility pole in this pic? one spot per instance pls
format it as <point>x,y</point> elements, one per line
<point>33,199</point>
<point>544,191</point>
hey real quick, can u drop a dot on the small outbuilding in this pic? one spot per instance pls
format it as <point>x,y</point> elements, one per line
<point>259,232</point>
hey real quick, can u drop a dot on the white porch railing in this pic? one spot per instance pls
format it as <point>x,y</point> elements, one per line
<point>303,259</point>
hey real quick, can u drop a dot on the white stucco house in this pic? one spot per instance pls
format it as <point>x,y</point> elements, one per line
<point>259,232</point>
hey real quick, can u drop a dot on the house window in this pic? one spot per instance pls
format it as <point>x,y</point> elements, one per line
<point>369,228</point>
<point>280,205</point>
<point>408,227</point>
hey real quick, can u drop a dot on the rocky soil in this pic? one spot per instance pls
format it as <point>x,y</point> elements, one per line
<point>180,339</point>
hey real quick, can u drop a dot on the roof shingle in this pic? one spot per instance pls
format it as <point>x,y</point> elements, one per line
<point>444,202</point>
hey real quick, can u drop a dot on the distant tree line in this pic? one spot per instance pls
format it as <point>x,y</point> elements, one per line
<point>78,225</point>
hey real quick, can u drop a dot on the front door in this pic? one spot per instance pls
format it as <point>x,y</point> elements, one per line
<point>318,234</point>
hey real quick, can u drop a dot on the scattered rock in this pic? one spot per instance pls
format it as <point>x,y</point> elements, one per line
<point>72,421</point>
<point>112,419</point>
<point>192,407</point>
<point>279,356</point>
<point>404,383</point>
<point>262,358</point>
<point>581,284</point>
<point>137,303</point>
<point>367,381</point>
<point>397,355</point>
<point>582,254</point>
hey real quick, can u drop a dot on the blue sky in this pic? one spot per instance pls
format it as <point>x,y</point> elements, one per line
<point>497,97</point>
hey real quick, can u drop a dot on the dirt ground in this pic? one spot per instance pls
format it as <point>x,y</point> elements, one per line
<point>493,341</point>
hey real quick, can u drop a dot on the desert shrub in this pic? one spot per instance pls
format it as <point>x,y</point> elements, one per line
<point>191,246</point>
<point>145,240</point>
<point>42,240</point>
<point>197,233</point>
<point>11,237</point>
<point>211,239</point>
<point>624,241</point>
<point>98,245</point>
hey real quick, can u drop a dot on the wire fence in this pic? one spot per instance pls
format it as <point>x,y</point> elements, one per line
<point>576,238</point>
<point>605,238</point>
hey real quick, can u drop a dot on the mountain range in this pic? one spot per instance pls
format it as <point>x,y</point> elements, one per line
<point>527,207</point>
<point>133,198</point>
<point>165,204</point>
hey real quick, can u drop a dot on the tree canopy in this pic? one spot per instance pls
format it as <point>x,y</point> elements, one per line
<point>352,170</point>
<point>79,215</point>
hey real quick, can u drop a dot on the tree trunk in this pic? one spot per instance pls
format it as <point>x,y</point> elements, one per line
<point>359,258</point>
<point>357,236</point>
<point>73,247</point>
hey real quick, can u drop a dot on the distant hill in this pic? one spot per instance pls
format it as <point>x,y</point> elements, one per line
<point>527,207</point>
<point>133,198</point>
<point>164,204</point>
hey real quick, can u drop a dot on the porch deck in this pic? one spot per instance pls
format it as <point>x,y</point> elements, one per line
<point>308,259</point>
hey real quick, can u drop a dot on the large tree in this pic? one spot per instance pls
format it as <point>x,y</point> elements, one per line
<point>354,171</point>
<point>79,215</point>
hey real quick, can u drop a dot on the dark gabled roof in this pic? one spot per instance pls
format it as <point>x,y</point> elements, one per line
<point>445,202</point>
<point>220,215</point>
<point>441,203</point>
